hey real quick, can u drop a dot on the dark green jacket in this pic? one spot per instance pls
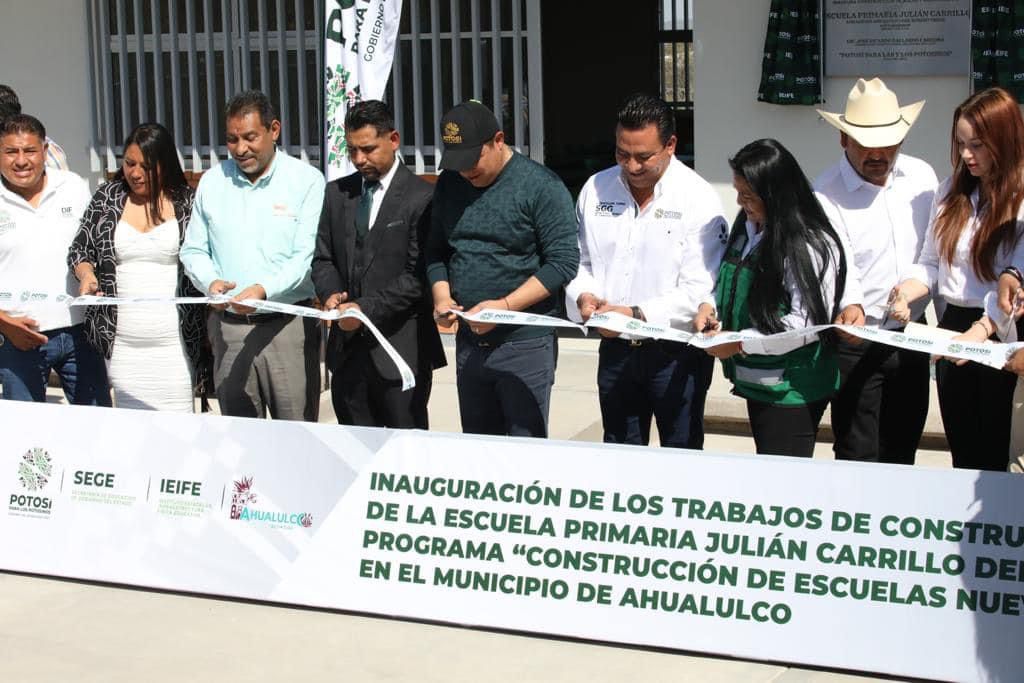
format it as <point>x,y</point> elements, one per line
<point>801,376</point>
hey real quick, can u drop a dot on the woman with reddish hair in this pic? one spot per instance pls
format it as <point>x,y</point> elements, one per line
<point>975,234</point>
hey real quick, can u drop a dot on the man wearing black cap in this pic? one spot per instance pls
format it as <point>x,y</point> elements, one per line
<point>503,237</point>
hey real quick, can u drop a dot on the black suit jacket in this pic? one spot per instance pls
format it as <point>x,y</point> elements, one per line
<point>392,284</point>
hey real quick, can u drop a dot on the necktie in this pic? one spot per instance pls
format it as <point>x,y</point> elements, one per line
<point>365,204</point>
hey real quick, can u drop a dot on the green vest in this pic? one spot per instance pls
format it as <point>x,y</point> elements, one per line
<point>804,375</point>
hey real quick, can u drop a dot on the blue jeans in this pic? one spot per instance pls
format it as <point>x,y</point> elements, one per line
<point>505,389</point>
<point>82,372</point>
<point>664,380</point>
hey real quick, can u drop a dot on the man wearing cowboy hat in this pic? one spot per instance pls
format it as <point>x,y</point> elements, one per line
<point>879,200</point>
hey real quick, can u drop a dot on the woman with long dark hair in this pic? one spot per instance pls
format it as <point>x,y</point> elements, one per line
<point>127,245</point>
<point>974,235</point>
<point>783,269</point>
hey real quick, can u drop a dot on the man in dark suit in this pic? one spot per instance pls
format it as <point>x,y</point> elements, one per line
<point>368,256</point>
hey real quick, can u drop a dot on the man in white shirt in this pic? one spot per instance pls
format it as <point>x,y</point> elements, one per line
<point>651,235</point>
<point>878,200</point>
<point>39,213</point>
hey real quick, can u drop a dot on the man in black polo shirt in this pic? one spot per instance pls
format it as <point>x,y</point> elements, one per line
<point>503,237</point>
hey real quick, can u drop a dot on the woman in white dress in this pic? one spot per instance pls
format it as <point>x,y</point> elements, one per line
<point>127,246</point>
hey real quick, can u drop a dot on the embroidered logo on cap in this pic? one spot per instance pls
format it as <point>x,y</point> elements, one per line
<point>452,134</point>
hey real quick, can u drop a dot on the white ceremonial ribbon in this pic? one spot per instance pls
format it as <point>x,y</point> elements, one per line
<point>990,354</point>
<point>993,355</point>
<point>408,379</point>
<point>27,296</point>
<point>496,316</point>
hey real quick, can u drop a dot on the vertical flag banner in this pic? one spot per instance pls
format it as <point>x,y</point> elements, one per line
<point>359,45</point>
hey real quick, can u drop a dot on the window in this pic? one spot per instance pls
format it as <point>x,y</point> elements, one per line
<point>178,61</point>
<point>675,38</point>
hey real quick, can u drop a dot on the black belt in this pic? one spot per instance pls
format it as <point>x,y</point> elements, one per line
<point>638,343</point>
<point>479,341</point>
<point>259,318</point>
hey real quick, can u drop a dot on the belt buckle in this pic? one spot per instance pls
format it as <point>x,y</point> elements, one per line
<point>635,342</point>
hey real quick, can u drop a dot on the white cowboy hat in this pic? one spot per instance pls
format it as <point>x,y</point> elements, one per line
<point>873,117</point>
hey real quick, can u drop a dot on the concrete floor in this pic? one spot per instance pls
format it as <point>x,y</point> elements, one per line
<point>57,630</point>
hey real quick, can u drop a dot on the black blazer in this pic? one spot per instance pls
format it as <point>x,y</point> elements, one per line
<point>392,283</point>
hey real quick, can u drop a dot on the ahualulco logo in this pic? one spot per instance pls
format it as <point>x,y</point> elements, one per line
<point>244,497</point>
<point>35,469</point>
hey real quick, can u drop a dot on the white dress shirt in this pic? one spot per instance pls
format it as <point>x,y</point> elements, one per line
<point>663,258</point>
<point>34,242</point>
<point>798,316</point>
<point>956,282</point>
<point>883,228</point>
<point>378,196</point>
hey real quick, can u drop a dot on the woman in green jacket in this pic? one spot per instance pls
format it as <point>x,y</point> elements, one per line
<point>783,269</point>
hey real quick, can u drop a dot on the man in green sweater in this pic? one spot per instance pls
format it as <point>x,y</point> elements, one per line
<point>503,237</point>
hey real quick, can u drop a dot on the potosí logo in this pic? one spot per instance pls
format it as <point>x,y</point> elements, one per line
<point>34,472</point>
<point>243,497</point>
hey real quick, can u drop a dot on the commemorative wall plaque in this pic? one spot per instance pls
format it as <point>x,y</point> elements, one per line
<point>897,37</point>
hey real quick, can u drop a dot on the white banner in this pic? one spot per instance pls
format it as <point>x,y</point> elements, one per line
<point>907,571</point>
<point>359,46</point>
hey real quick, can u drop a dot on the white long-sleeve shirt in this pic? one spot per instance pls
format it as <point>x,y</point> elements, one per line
<point>883,227</point>
<point>956,282</point>
<point>663,258</point>
<point>798,316</point>
<point>34,242</point>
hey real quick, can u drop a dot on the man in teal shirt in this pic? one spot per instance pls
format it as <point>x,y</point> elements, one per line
<point>252,235</point>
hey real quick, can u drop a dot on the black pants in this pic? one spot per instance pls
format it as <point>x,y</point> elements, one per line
<point>664,380</point>
<point>785,430</point>
<point>880,410</point>
<point>363,398</point>
<point>976,404</point>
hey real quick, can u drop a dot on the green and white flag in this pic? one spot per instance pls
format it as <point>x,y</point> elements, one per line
<point>359,45</point>
<point>791,66</point>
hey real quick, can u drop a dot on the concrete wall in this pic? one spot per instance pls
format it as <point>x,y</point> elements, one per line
<point>44,56</point>
<point>729,43</point>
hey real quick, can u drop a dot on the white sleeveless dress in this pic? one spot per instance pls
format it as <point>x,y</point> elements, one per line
<point>148,366</point>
